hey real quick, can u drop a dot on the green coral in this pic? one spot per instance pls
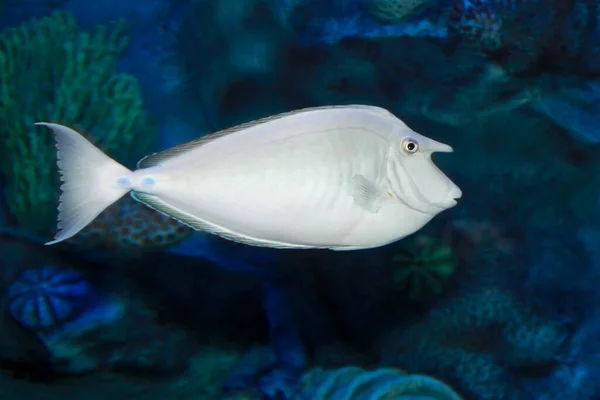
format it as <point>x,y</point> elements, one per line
<point>52,70</point>
<point>422,266</point>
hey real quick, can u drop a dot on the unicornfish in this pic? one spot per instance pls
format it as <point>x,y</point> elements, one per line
<point>335,177</point>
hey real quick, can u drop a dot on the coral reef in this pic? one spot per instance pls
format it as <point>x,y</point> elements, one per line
<point>476,339</point>
<point>125,338</point>
<point>44,298</point>
<point>78,86</point>
<point>353,382</point>
<point>521,35</point>
<point>495,300</point>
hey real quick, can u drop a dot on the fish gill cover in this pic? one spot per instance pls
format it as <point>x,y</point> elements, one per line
<point>493,299</point>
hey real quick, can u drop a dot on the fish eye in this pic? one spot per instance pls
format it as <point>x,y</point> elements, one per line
<point>410,146</point>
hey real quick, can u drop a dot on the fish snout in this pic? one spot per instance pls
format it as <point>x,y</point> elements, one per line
<point>453,195</point>
<point>434,146</point>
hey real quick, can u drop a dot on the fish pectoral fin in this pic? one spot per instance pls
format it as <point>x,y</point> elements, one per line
<point>367,194</point>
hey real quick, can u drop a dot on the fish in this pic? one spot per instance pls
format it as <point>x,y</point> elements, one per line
<point>344,177</point>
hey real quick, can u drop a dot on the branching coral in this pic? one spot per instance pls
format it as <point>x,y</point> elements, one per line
<point>475,339</point>
<point>51,70</point>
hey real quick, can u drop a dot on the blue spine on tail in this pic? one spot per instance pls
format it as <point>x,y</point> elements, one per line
<point>45,298</point>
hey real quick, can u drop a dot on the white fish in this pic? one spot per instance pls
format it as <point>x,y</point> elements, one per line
<point>338,177</point>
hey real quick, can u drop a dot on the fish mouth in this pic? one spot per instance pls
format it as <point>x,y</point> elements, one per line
<point>453,195</point>
<point>409,193</point>
<point>427,207</point>
<point>414,199</point>
<point>451,199</point>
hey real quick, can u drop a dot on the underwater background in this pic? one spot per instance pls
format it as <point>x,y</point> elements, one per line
<point>496,298</point>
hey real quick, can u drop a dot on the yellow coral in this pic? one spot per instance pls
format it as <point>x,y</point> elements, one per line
<point>51,70</point>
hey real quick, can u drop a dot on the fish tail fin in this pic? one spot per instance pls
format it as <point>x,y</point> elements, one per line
<point>89,181</point>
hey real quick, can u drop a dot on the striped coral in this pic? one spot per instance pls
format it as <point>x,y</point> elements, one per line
<point>354,383</point>
<point>357,383</point>
<point>422,266</point>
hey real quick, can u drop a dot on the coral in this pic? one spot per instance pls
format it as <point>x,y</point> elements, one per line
<point>353,383</point>
<point>243,374</point>
<point>131,226</point>
<point>57,303</point>
<point>124,336</point>
<point>479,22</point>
<point>422,266</point>
<point>42,298</point>
<point>325,24</point>
<point>204,378</point>
<point>473,339</point>
<point>577,378</point>
<point>520,33</point>
<point>51,70</point>
<point>394,11</point>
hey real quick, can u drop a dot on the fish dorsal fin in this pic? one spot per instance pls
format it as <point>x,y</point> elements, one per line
<point>153,160</point>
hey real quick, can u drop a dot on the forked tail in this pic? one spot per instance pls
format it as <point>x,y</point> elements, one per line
<point>90,181</point>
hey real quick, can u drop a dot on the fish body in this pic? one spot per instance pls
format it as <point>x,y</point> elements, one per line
<point>337,177</point>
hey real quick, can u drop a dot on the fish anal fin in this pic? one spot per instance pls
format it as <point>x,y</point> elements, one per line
<point>367,195</point>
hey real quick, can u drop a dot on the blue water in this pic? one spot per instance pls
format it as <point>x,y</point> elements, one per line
<point>494,298</point>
